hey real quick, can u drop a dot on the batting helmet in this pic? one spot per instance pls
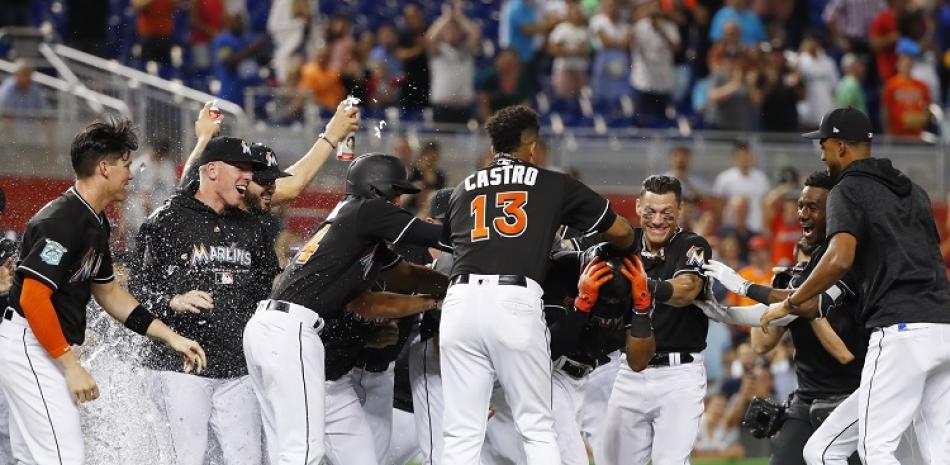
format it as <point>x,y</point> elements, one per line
<point>614,296</point>
<point>378,175</point>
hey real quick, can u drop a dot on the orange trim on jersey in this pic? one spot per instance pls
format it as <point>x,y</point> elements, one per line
<point>37,304</point>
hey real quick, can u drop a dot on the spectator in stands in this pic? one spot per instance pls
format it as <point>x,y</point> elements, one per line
<point>521,28</point>
<point>155,181</point>
<point>729,44</point>
<point>387,40</point>
<point>415,61</point>
<point>287,25</point>
<point>905,100</point>
<point>425,171</point>
<point>503,85</point>
<point>402,149</point>
<point>780,90</point>
<point>883,36</point>
<point>20,97</point>
<point>236,52</point>
<point>338,38</point>
<point>325,84</point>
<point>781,216</point>
<point>849,92</point>
<point>383,90</point>
<point>569,44</point>
<point>718,436</point>
<point>744,181</point>
<point>610,38</point>
<point>453,43</point>
<point>356,77</point>
<point>655,41</point>
<point>693,185</point>
<point>735,222</point>
<point>749,23</point>
<point>730,104</point>
<point>207,20</point>
<point>759,269</point>
<point>848,22</point>
<point>819,75</point>
<point>155,26</point>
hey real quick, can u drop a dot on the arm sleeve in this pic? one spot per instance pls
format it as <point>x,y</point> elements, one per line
<point>53,249</point>
<point>385,257</point>
<point>844,213</point>
<point>37,305</point>
<point>584,209</point>
<point>382,220</point>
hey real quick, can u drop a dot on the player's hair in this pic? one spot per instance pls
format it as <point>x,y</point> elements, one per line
<point>738,146</point>
<point>102,140</point>
<point>659,184</point>
<point>820,179</point>
<point>681,148</point>
<point>508,127</point>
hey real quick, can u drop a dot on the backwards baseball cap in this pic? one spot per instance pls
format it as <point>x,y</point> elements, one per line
<point>230,150</point>
<point>439,204</point>
<point>845,124</point>
<point>271,170</point>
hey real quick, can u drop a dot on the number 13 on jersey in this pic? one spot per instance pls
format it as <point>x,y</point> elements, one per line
<point>513,222</point>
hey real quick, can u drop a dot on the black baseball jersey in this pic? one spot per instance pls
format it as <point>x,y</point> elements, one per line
<point>897,261</point>
<point>583,337</point>
<point>502,218</point>
<point>819,374</point>
<point>66,247</point>
<point>322,275</point>
<point>184,246</point>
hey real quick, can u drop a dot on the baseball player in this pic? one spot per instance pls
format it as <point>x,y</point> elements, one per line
<point>203,264</point>
<point>327,280</point>
<point>64,259</point>
<point>829,352</point>
<point>502,219</point>
<point>654,414</point>
<point>903,295</point>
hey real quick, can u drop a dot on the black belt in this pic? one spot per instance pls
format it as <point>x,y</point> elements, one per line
<point>374,366</point>
<point>8,314</point>
<point>574,369</point>
<point>281,306</point>
<point>503,280</point>
<point>662,359</point>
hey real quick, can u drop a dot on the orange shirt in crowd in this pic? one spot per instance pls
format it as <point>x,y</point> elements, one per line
<point>157,19</point>
<point>784,237</point>
<point>326,85</point>
<point>903,97</point>
<point>755,275</point>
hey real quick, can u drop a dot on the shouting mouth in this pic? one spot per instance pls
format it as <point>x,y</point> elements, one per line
<point>808,230</point>
<point>242,189</point>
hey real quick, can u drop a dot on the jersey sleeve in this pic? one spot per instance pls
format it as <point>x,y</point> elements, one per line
<point>148,282</point>
<point>584,209</point>
<point>385,257</point>
<point>691,257</point>
<point>844,213</point>
<point>53,248</point>
<point>382,220</point>
<point>106,272</point>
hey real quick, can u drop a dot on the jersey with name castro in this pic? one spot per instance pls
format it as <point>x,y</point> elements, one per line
<point>502,218</point>
<point>66,247</point>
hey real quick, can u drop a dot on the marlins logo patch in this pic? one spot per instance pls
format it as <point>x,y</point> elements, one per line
<point>696,256</point>
<point>52,253</point>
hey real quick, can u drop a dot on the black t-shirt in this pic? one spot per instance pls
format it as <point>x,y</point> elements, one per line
<point>819,373</point>
<point>322,275</point>
<point>502,218</point>
<point>897,260</point>
<point>66,247</point>
<point>680,329</point>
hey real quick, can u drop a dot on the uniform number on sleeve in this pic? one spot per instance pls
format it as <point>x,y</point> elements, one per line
<point>513,222</point>
<point>307,251</point>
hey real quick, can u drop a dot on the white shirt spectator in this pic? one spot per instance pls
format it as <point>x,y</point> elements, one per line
<point>601,23</point>
<point>820,76</point>
<point>653,57</point>
<point>452,72</point>
<point>852,17</point>
<point>753,186</point>
<point>571,36</point>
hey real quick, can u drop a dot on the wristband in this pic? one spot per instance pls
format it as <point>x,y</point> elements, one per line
<point>759,293</point>
<point>139,320</point>
<point>324,137</point>
<point>582,304</point>
<point>641,326</point>
<point>661,290</point>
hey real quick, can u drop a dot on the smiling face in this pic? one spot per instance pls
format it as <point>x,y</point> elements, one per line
<point>118,173</point>
<point>230,181</point>
<point>659,216</point>
<point>811,213</point>
<point>260,193</point>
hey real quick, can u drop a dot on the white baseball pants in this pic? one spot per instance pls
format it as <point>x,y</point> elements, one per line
<point>349,440</point>
<point>594,407</point>
<point>192,403</point>
<point>6,455</point>
<point>285,363</point>
<point>404,447</point>
<point>375,392</point>
<point>428,403</point>
<point>44,420</point>
<point>487,331</point>
<point>654,414</point>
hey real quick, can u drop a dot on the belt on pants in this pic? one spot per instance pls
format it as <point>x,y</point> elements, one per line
<point>375,366</point>
<point>503,280</point>
<point>571,368</point>
<point>670,359</point>
<point>8,314</point>
<point>299,312</point>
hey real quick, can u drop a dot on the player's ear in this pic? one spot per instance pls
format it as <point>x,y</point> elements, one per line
<point>212,170</point>
<point>638,206</point>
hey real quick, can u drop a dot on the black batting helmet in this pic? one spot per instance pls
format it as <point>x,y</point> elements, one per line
<point>378,175</point>
<point>614,296</point>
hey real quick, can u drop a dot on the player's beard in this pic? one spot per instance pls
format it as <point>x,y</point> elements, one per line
<point>254,203</point>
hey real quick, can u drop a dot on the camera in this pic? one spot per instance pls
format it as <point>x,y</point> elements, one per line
<point>764,417</point>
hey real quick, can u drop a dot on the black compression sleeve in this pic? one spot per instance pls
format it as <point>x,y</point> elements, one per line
<point>759,293</point>
<point>139,320</point>
<point>641,326</point>
<point>662,290</point>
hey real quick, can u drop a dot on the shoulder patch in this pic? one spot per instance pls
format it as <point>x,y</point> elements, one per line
<point>696,256</point>
<point>52,253</point>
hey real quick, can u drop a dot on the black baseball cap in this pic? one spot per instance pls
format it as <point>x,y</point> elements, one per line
<point>271,170</point>
<point>845,124</point>
<point>230,150</point>
<point>439,204</point>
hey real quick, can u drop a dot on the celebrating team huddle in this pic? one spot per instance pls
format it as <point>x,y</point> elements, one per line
<point>520,292</point>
